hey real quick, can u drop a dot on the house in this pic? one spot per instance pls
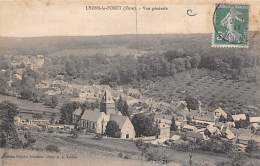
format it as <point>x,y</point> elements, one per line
<point>181,106</point>
<point>96,120</point>
<point>225,130</point>
<point>238,117</point>
<point>213,130</point>
<point>186,128</point>
<point>40,121</point>
<point>195,136</point>
<point>164,131</point>
<point>203,120</point>
<point>254,119</point>
<point>220,112</point>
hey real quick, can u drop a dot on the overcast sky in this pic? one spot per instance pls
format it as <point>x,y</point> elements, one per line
<point>26,18</point>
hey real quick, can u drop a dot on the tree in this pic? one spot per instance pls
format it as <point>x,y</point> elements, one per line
<point>8,134</point>
<point>122,106</point>
<point>112,129</point>
<point>70,68</point>
<point>144,125</point>
<point>66,111</point>
<point>173,125</point>
<point>195,61</point>
<point>52,101</point>
<point>29,79</point>
<point>4,78</point>
<point>251,146</point>
<point>30,140</point>
<point>26,94</point>
<point>222,119</point>
<point>192,103</point>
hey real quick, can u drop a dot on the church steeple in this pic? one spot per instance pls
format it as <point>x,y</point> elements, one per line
<point>107,104</point>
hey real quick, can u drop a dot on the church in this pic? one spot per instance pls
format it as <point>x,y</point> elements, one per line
<point>96,120</point>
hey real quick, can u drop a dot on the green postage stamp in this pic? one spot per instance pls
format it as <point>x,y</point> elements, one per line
<point>231,25</point>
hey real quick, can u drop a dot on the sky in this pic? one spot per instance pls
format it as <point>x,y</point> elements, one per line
<point>31,18</point>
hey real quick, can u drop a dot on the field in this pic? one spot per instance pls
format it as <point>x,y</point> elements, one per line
<point>234,95</point>
<point>85,146</point>
<point>28,108</point>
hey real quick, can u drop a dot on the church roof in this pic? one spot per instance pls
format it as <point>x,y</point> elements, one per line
<point>89,114</point>
<point>107,97</point>
<point>119,119</point>
<point>92,115</point>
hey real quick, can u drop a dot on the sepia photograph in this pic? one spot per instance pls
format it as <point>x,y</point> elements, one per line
<point>129,83</point>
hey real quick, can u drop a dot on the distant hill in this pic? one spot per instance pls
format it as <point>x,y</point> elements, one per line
<point>49,45</point>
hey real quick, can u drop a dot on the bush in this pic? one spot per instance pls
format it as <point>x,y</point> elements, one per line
<point>52,101</point>
<point>26,94</point>
<point>157,156</point>
<point>120,155</point>
<point>30,139</point>
<point>52,148</point>
<point>251,146</point>
<point>127,156</point>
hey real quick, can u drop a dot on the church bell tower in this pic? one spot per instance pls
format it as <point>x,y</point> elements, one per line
<point>107,104</point>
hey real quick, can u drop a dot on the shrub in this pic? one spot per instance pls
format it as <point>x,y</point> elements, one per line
<point>251,146</point>
<point>120,155</point>
<point>30,139</point>
<point>157,156</point>
<point>52,148</point>
<point>26,94</point>
<point>127,156</point>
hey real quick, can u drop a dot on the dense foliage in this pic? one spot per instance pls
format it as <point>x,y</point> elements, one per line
<point>129,68</point>
<point>112,129</point>
<point>143,125</point>
<point>122,106</point>
<point>8,134</point>
<point>67,110</point>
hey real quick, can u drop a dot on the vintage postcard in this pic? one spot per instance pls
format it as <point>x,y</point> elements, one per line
<point>129,82</point>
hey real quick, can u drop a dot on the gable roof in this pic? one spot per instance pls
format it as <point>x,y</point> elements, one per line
<point>107,97</point>
<point>92,115</point>
<point>119,119</point>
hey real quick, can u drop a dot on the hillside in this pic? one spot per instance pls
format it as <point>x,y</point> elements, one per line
<point>200,43</point>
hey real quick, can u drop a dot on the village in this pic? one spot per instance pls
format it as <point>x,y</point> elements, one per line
<point>175,127</point>
<point>125,113</point>
<point>96,115</point>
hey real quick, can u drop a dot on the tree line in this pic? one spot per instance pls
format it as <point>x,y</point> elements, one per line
<point>128,69</point>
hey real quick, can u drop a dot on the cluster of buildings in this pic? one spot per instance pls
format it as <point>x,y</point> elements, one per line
<point>202,125</point>
<point>193,124</point>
